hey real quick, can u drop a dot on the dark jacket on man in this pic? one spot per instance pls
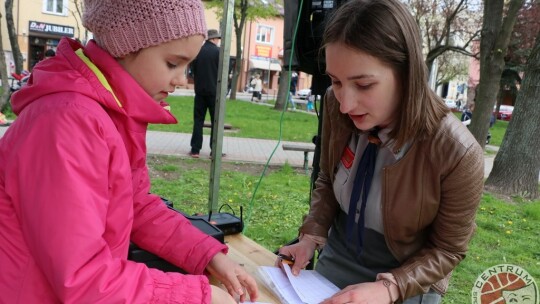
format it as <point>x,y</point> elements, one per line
<point>204,69</point>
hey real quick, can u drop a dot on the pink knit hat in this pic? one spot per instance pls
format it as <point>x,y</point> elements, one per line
<point>126,26</point>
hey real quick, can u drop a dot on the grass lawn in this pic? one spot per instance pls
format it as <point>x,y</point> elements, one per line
<point>262,121</point>
<point>247,119</point>
<point>508,231</point>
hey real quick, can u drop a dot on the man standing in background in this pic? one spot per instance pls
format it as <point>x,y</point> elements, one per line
<point>205,73</point>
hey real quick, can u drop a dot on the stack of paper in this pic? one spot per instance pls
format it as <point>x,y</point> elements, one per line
<point>309,287</point>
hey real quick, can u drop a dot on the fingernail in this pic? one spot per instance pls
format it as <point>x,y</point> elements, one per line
<point>240,291</point>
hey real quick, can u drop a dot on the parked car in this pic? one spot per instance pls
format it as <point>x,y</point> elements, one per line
<point>303,94</point>
<point>451,103</point>
<point>505,112</point>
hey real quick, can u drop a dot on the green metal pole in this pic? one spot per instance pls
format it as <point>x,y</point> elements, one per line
<point>219,115</point>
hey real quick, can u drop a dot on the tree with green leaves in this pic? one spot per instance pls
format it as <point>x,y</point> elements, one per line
<point>244,11</point>
<point>497,27</point>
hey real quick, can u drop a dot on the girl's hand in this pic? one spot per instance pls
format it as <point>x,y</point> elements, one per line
<point>302,252</point>
<point>365,293</point>
<point>233,276</point>
<point>220,296</point>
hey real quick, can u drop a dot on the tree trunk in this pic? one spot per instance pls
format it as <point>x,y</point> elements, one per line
<point>517,164</point>
<point>238,30</point>
<point>3,73</point>
<point>17,56</point>
<point>493,46</point>
<point>283,90</point>
<point>238,65</point>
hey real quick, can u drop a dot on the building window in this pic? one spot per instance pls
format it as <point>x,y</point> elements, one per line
<point>55,7</point>
<point>265,34</point>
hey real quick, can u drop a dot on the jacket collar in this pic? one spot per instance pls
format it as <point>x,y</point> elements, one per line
<point>136,103</point>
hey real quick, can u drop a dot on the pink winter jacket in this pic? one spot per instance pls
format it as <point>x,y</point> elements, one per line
<point>74,191</point>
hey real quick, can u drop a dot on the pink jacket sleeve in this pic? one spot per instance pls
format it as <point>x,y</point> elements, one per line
<point>63,190</point>
<point>169,235</point>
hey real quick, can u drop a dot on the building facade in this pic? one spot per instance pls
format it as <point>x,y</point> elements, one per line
<point>40,24</point>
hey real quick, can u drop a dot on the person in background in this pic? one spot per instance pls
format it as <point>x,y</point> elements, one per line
<point>292,88</point>
<point>310,106</point>
<point>389,208</point>
<point>466,115</point>
<point>205,74</point>
<point>49,54</point>
<point>256,83</point>
<point>69,212</point>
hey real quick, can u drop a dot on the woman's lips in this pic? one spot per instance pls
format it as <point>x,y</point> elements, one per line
<point>358,118</point>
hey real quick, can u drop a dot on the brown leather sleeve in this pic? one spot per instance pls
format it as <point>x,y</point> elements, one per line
<point>451,231</point>
<point>324,206</point>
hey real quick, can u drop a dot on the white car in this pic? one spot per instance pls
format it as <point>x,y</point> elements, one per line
<point>450,103</point>
<point>303,94</point>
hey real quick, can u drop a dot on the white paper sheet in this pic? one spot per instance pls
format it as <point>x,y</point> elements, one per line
<point>276,280</point>
<point>309,287</point>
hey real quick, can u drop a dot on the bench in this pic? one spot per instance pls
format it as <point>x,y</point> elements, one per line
<point>306,148</point>
<point>300,103</point>
<point>208,124</point>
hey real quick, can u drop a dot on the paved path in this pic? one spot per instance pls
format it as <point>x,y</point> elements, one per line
<point>237,149</point>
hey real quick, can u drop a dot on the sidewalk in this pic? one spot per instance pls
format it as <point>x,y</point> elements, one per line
<point>239,149</point>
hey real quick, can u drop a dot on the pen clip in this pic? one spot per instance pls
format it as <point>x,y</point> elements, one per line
<point>285,257</point>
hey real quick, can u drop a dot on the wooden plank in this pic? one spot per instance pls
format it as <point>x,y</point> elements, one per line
<point>250,255</point>
<point>207,124</point>
<point>299,147</point>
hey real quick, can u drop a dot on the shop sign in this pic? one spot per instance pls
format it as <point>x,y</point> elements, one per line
<point>51,29</point>
<point>263,51</point>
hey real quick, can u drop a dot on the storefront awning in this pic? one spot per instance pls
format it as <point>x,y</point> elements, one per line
<point>264,65</point>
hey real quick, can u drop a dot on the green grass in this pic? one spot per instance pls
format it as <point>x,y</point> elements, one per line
<point>497,131</point>
<point>260,121</point>
<point>248,120</point>
<point>273,215</point>
<point>508,232</point>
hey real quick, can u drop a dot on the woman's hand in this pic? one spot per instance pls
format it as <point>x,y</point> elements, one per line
<point>233,276</point>
<point>365,293</point>
<point>301,252</point>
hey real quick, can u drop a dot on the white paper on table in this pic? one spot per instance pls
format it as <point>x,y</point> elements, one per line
<point>310,286</point>
<point>276,280</point>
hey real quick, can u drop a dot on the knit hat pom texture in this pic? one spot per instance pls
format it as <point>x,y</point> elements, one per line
<point>126,26</point>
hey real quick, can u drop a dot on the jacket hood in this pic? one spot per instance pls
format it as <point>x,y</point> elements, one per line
<point>66,72</point>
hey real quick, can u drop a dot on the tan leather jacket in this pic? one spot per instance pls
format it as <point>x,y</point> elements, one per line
<point>429,199</point>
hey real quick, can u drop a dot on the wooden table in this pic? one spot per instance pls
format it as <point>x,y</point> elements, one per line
<point>249,254</point>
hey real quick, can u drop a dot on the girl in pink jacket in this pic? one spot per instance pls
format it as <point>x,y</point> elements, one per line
<point>73,178</point>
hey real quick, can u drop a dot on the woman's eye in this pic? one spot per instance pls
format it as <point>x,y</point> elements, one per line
<point>364,86</point>
<point>171,65</point>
